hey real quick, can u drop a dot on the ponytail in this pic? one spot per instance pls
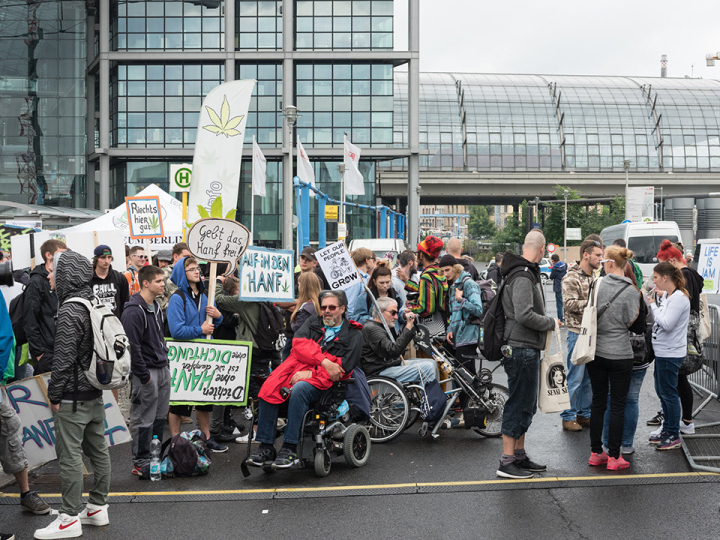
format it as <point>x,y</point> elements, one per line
<point>675,275</point>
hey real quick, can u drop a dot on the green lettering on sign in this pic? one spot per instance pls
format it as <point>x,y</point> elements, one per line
<point>182,178</point>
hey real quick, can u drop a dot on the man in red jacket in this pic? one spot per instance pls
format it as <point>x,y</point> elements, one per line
<point>325,349</point>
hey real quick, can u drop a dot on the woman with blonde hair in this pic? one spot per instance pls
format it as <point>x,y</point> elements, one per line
<point>308,302</point>
<point>611,371</point>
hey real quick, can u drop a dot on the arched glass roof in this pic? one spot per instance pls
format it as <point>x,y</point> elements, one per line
<point>561,123</point>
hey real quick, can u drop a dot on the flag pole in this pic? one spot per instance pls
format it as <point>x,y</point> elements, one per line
<point>252,197</point>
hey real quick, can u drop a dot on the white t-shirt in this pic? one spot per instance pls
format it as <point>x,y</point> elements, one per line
<point>669,335</point>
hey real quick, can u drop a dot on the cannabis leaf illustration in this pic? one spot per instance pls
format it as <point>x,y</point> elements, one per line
<point>203,213</point>
<point>154,223</point>
<point>245,287</point>
<point>230,214</point>
<point>216,208</point>
<point>285,286</point>
<point>223,124</point>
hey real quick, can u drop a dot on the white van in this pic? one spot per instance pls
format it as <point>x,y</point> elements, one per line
<point>643,238</point>
<point>380,246</point>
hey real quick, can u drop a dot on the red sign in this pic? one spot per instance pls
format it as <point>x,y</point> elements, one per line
<point>552,248</point>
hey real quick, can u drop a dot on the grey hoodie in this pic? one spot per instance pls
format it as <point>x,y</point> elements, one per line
<point>613,341</point>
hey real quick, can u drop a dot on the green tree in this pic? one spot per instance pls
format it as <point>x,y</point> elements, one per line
<point>513,233</point>
<point>480,225</point>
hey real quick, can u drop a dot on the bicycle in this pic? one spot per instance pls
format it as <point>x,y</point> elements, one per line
<point>396,406</point>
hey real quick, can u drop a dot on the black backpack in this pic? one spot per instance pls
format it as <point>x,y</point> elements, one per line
<point>494,319</point>
<point>486,296</point>
<point>270,326</point>
<point>17,316</point>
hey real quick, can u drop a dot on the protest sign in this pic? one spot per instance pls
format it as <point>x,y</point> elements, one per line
<point>709,266</point>
<point>218,240</point>
<point>338,266</point>
<point>144,219</point>
<point>26,249</point>
<point>29,399</point>
<point>267,275</point>
<point>209,372</point>
<point>639,203</point>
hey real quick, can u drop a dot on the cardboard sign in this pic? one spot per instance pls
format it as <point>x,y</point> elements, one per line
<point>22,252</point>
<point>29,399</point>
<point>338,266</point>
<point>267,275</point>
<point>144,219</point>
<point>180,178</point>
<point>209,371</point>
<point>709,267</point>
<point>218,240</point>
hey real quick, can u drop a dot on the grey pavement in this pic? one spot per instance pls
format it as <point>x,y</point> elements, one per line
<point>573,500</point>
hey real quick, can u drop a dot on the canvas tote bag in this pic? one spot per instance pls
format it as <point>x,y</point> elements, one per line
<point>584,350</point>
<point>553,395</point>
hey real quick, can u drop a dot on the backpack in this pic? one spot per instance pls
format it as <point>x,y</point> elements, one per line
<point>110,364</point>
<point>166,326</point>
<point>486,295</point>
<point>494,320</point>
<point>270,327</point>
<point>17,317</point>
<point>638,274</point>
<point>186,455</point>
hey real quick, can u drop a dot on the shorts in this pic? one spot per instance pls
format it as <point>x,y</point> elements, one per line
<point>186,410</point>
<point>12,454</point>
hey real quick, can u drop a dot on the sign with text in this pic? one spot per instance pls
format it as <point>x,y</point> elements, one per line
<point>180,177</point>
<point>342,231</point>
<point>144,219</point>
<point>574,233</point>
<point>331,212</point>
<point>209,372</point>
<point>709,267</point>
<point>218,240</point>
<point>639,203</point>
<point>267,275</point>
<point>29,400</point>
<point>338,266</point>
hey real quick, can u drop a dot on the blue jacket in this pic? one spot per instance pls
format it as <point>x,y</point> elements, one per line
<point>184,318</point>
<point>7,343</point>
<point>558,271</point>
<point>363,313</point>
<point>460,311</point>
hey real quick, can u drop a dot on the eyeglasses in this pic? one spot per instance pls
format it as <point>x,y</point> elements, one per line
<point>328,308</point>
<point>605,260</point>
<point>141,256</point>
<point>392,312</point>
<point>193,269</point>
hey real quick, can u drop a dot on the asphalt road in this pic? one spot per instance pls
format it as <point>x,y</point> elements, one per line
<point>412,488</point>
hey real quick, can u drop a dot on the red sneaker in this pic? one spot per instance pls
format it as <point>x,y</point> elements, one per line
<point>598,459</point>
<point>617,464</point>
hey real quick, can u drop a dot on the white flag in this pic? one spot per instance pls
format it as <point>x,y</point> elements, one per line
<point>354,184</point>
<point>259,168</point>
<point>305,170</point>
<point>218,150</point>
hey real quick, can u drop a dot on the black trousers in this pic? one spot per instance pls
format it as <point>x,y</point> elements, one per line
<point>611,376</point>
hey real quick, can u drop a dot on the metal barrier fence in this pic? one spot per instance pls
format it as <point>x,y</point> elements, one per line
<point>702,449</point>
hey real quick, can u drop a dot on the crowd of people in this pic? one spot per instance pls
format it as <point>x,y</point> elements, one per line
<point>333,335</point>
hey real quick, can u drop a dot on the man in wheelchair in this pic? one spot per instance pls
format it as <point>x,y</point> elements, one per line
<point>380,356</point>
<point>325,349</point>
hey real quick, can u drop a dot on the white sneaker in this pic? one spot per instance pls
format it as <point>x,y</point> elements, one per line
<point>687,429</point>
<point>95,515</point>
<point>64,526</point>
<point>243,439</point>
<point>659,430</point>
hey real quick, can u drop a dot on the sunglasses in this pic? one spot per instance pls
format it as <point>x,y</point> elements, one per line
<point>392,312</point>
<point>605,260</point>
<point>328,308</point>
<point>140,256</point>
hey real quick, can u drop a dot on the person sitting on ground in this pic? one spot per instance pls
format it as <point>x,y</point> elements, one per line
<point>325,349</point>
<point>382,356</point>
<point>380,286</point>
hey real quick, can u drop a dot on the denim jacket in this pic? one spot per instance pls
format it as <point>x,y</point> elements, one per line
<point>461,310</point>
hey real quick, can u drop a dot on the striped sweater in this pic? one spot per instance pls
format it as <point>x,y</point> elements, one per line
<point>432,289</point>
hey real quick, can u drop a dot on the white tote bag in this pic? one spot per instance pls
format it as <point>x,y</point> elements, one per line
<point>584,350</point>
<point>705,328</point>
<point>553,395</point>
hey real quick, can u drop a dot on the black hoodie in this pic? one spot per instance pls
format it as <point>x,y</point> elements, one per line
<point>41,306</point>
<point>144,329</point>
<point>694,286</point>
<point>74,334</point>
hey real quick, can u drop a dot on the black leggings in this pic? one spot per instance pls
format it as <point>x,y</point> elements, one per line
<point>686,397</point>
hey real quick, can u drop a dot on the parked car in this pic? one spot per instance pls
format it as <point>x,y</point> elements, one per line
<point>545,265</point>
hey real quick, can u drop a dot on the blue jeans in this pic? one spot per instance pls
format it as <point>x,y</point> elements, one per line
<point>559,304</point>
<point>632,410</point>
<point>302,395</point>
<point>409,372</point>
<point>523,370</point>
<point>666,386</point>
<point>578,381</point>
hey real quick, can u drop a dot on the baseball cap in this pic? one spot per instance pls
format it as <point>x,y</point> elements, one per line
<point>102,250</point>
<point>309,253</point>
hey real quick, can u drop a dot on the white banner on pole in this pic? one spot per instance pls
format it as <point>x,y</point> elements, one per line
<point>259,168</point>
<point>354,184</point>
<point>305,170</point>
<point>218,150</point>
<point>640,203</point>
<point>338,267</point>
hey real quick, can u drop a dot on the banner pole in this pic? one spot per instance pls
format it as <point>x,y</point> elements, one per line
<point>184,214</point>
<point>252,216</point>
<point>148,251</point>
<point>211,292</point>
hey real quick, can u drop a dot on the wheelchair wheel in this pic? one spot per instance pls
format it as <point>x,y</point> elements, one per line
<point>356,446</point>
<point>389,409</point>
<point>498,396</point>
<point>322,463</point>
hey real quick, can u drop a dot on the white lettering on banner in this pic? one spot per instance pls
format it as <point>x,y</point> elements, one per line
<point>337,265</point>
<point>27,398</point>
<point>218,240</point>
<point>203,371</point>
<point>267,275</point>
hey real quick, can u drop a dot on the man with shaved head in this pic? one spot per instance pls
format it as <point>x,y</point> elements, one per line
<point>526,327</point>
<point>454,248</point>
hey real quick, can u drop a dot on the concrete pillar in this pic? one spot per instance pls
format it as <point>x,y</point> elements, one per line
<point>230,41</point>
<point>104,72</point>
<point>288,97</point>
<point>413,216</point>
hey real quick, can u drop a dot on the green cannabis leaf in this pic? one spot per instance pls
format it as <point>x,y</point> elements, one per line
<point>216,208</point>
<point>230,214</point>
<point>203,213</point>
<point>154,223</point>
<point>223,124</point>
<point>285,286</point>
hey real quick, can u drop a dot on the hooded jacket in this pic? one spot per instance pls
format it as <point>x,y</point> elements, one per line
<point>526,324</point>
<point>694,287</point>
<point>575,292</point>
<point>185,318</point>
<point>74,333</point>
<point>144,329</point>
<point>463,332</point>
<point>557,273</point>
<point>432,289</point>
<point>41,305</point>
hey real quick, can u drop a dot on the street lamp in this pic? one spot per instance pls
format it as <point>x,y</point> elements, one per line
<point>290,116</point>
<point>566,193</point>
<point>626,166</point>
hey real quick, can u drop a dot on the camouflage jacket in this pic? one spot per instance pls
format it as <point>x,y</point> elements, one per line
<point>170,288</point>
<point>575,293</point>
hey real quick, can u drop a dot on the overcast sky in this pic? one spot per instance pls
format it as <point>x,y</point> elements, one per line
<point>565,37</point>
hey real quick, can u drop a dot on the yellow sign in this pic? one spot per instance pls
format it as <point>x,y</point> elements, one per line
<point>331,212</point>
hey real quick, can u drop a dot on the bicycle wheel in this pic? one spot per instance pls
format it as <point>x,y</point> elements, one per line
<point>389,409</point>
<point>497,398</point>
<point>413,395</point>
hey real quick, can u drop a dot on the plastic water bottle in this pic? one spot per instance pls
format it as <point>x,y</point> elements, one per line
<point>155,446</point>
